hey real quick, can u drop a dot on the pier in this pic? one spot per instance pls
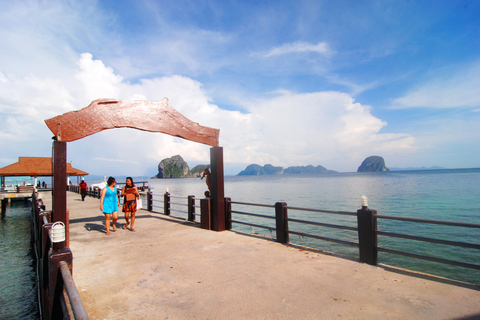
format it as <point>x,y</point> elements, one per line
<point>171,268</point>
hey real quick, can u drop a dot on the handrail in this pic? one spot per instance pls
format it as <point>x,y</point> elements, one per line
<point>253,214</point>
<point>254,225</point>
<point>365,227</point>
<point>253,204</point>
<point>323,211</point>
<point>431,221</point>
<point>439,260</point>
<point>320,224</point>
<point>439,241</point>
<point>72,292</point>
<point>324,238</point>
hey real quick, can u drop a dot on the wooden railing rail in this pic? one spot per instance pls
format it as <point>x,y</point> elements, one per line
<point>52,266</point>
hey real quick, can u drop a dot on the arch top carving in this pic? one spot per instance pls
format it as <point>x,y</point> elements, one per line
<point>151,116</point>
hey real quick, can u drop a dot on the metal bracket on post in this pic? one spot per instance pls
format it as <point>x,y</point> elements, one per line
<point>367,237</point>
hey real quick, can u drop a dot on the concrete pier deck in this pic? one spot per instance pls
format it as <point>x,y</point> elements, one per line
<point>171,269</point>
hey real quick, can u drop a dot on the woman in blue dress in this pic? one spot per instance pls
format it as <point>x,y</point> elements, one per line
<point>109,204</point>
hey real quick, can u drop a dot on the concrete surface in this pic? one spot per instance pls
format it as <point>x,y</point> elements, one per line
<point>171,269</point>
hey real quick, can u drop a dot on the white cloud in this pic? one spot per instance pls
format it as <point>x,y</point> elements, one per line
<point>457,88</point>
<point>288,129</point>
<point>299,47</point>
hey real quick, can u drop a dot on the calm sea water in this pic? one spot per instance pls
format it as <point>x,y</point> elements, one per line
<point>452,195</point>
<point>17,273</point>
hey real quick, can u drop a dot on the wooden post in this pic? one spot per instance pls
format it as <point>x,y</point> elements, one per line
<point>4,206</point>
<point>228,213</point>
<point>59,206</point>
<point>149,201</point>
<point>217,192</point>
<point>55,285</point>
<point>205,214</point>
<point>367,237</point>
<point>191,208</point>
<point>166,203</point>
<point>281,222</point>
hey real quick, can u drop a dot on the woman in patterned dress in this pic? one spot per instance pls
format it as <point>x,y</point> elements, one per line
<point>130,194</point>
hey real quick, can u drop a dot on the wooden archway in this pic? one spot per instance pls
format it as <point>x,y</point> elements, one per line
<point>151,116</point>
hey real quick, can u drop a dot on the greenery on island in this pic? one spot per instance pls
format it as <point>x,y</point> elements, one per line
<point>176,167</point>
<point>268,169</point>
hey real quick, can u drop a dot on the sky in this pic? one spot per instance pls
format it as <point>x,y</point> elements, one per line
<point>288,83</point>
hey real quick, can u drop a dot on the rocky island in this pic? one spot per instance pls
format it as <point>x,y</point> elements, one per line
<point>373,164</point>
<point>176,167</point>
<point>268,169</point>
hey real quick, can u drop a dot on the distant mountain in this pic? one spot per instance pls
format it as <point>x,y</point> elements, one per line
<point>307,170</point>
<point>417,168</point>
<point>268,169</point>
<point>373,164</point>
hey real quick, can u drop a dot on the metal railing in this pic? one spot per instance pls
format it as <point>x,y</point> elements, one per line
<point>363,227</point>
<point>430,240</point>
<point>366,231</point>
<point>51,288</point>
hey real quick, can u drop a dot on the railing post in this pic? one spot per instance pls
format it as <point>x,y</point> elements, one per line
<point>191,208</point>
<point>166,203</point>
<point>4,206</point>
<point>55,283</point>
<point>205,218</point>
<point>228,213</point>
<point>149,201</point>
<point>367,237</point>
<point>281,222</point>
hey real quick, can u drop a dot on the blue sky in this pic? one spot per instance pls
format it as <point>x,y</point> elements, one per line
<point>286,82</point>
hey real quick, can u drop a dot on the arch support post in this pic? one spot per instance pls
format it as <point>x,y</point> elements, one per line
<point>59,195</point>
<point>218,190</point>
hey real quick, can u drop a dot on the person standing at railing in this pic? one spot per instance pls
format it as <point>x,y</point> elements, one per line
<point>130,194</point>
<point>109,204</point>
<point>83,189</point>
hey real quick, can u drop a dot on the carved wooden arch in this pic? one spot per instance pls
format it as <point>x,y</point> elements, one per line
<point>151,116</point>
<point>148,116</point>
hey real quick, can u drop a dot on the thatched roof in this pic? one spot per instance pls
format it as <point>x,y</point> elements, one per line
<point>36,166</point>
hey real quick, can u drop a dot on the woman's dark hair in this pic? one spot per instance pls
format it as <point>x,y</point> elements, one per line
<point>133,184</point>
<point>110,180</point>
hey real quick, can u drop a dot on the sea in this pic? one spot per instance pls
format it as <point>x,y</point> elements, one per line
<point>18,297</point>
<point>446,194</point>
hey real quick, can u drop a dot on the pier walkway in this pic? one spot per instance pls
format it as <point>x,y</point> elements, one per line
<point>172,269</point>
